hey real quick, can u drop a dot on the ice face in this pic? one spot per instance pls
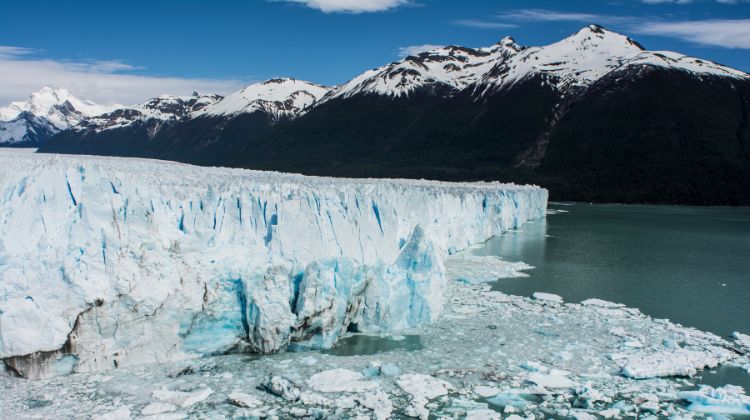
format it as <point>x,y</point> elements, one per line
<point>110,262</point>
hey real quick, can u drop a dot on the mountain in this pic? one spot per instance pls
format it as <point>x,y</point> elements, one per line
<point>203,133</point>
<point>47,111</point>
<point>277,98</point>
<point>594,117</point>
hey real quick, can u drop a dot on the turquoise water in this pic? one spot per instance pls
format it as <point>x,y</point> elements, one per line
<point>687,264</point>
<point>365,345</point>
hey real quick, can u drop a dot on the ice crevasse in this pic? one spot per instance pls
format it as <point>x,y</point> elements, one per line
<point>106,262</point>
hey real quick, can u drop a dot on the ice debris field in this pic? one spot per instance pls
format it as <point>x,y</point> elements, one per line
<point>138,288</point>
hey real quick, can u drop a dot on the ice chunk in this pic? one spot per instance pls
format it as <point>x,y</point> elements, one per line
<point>610,413</point>
<point>422,388</point>
<point>241,399</point>
<point>420,385</point>
<point>281,387</point>
<point>728,399</point>
<point>158,408</point>
<point>340,380</point>
<point>601,303</point>
<point>679,362</point>
<point>486,391</point>
<point>483,414</point>
<point>743,340</point>
<point>547,297</point>
<point>182,399</point>
<point>554,379</point>
<point>469,268</point>
<point>378,402</point>
<point>122,413</point>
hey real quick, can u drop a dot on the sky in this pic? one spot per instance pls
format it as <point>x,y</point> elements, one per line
<point>125,52</point>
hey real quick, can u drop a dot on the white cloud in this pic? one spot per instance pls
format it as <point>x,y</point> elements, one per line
<point>416,49</point>
<point>107,82</point>
<point>351,6</point>
<point>727,33</point>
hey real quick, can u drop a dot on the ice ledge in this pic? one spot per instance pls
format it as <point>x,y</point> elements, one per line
<point>106,262</point>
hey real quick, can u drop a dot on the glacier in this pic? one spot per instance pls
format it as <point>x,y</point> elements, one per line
<point>110,262</point>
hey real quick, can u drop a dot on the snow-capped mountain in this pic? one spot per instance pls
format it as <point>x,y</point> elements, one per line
<point>590,54</point>
<point>275,98</point>
<point>46,112</point>
<point>593,117</point>
<point>162,109</point>
<point>576,61</point>
<point>451,68</point>
<point>278,98</point>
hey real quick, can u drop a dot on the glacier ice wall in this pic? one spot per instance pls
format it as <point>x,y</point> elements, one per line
<point>106,262</point>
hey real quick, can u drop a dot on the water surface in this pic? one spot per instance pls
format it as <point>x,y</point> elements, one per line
<point>687,264</point>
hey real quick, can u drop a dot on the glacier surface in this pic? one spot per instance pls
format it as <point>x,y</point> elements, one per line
<point>108,262</point>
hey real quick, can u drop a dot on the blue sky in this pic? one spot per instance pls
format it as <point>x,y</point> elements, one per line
<point>128,51</point>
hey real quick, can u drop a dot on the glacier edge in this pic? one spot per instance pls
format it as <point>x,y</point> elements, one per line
<point>106,262</point>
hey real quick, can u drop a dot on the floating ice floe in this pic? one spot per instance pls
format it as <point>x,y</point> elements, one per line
<point>242,399</point>
<point>340,380</point>
<point>422,388</point>
<point>554,380</point>
<point>547,297</point>
<point>601,303</point>
<point>122,413</point>
<point>742,340</point>
<point>728,399</point>
<point>378,402</point>
<point>182,399</point>
<point>158,408</point>
<point>679,362</point>
<point>470,268</point>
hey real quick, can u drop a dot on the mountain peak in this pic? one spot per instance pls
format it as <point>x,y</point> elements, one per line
<point>599,36</point>
<point>57,105</point>
<point>279,81</point>
<point>508,43</point>
<point>277,97</point>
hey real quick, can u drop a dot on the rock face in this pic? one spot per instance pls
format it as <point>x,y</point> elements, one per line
<point>110,262</point>
<point>593,117</point>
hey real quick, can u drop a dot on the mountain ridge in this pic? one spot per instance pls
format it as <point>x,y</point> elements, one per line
<point>495,113</point>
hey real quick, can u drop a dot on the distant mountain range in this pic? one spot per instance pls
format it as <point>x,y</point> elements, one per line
<point>594,117</point>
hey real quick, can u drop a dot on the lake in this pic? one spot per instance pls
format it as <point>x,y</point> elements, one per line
<point>687,264</point>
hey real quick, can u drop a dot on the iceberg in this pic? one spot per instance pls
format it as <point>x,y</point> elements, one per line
<point>108,262</point>
<point>729,399</point>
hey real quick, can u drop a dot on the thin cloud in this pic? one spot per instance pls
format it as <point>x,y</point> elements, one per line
<point>484,24</point>
<point>107,82</point>
<point>544,15</point>
<point>724,33</point>
<point>416,49</point>
<point>673,1</point>
<point>727,33</point>
<point>692,1</point>
<point>351,6</point>
<point>8,51</point>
